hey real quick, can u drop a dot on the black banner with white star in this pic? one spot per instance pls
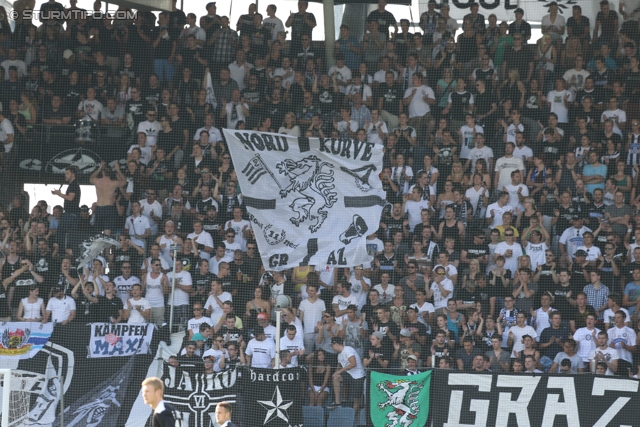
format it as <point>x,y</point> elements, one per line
<point>274,397</point>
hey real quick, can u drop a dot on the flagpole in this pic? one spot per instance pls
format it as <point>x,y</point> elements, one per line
<point>173,286</point>
<point>269,171</point>
<point>278,326</point>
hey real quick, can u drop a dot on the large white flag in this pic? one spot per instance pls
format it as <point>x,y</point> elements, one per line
<point>312,201</point>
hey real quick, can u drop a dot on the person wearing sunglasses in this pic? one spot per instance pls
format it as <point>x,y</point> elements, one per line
<point>510,250</point>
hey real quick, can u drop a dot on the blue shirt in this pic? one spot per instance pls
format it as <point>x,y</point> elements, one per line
<point>590,170</point>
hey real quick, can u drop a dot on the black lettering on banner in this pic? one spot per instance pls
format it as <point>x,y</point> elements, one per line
<point>255,141</point>
<point>347,148</point>
<point>331,260</point>
<point>508,4</point>
<point>277,260</point>
<point>532,400</point>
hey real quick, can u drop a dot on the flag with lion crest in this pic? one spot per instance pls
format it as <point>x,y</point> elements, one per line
<point>401,401</point>
<point>311,201</point>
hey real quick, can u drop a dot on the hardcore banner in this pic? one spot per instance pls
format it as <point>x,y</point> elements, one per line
<point>528,400</point>
<point>195,394</point>
<point>399,400</point>
<point>274,397</point>
<point>312,201</point>
<point>23,340</point>
<point>121,339</point>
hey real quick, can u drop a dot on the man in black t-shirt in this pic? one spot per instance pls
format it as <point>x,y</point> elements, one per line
<point>389,100</point>
<point>110,306</point>
<point>71,198</point>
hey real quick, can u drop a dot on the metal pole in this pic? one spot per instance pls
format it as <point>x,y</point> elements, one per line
<point>278,325</point>
<point>61,400</point>
<point>173,287</point>
<point>329,32</point>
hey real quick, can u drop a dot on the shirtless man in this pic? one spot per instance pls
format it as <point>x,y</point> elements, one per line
<point>106,213</point>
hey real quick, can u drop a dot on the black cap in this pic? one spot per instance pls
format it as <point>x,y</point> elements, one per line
<point>13,67</point>
<point>576,216</point>
<point>211,3</point>
<point>337,340</point>
<point>519,10</point>
<point>553,3</point>
<point>84,208</point>
<point>580,252</point>
<point>636,213</point>
<point>57,288</point>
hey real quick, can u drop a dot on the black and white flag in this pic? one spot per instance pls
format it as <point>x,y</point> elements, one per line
<point>274,397</point>
<point>195,394</point>
<point>100,407</point>
<point>312,201</point>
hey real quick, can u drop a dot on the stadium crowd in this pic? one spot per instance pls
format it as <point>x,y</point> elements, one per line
<point>511,239</point>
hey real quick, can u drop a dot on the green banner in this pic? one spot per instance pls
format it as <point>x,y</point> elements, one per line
<point>399,400</point>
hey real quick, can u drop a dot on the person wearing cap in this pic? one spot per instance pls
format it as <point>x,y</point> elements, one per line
<point>520,26</point>
<point>572,238</point>
<point>377,356</point>
<point>268,329</point>
<point>260,352</point>
<point>405,346</point>
<point>61,308</point>
<point>351,373</point>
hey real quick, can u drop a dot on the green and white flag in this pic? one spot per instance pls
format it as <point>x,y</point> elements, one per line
<point>399,400</point>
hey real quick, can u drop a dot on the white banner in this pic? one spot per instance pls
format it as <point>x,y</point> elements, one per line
<point>121,339</point>
<point>312,201</point>
<point>534,10</point>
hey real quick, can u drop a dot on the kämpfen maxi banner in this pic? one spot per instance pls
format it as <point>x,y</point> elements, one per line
<point>120,339</point>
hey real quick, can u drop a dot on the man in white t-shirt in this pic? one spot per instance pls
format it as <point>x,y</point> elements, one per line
<point>137,225</point>
<point>351,364</point>
<point>61,308</point>
<point>419,99</point>
<point>517,190</point>
<point>217,297</point>
<point>341,73</point>
<point>7,135</point>
<point>618,116</point>
<point>293,344</point>
<point>576,76</point>
<point>518,332</point>
<point>180,299</point>
<point>138,309</point>
<point>604,353</point>
<point>150,127</point>
<point>260,351</point>
<point>273,22</point>
<point>310,313</point>
<point>507,164</point>
<point>441,289</point>
<point>342,300</point>
<point>521,150</point>
<point>203,240</point>
<point>559,100</point>
<point>468,133</point>
<point>497,209</point>
<point>622,338</point>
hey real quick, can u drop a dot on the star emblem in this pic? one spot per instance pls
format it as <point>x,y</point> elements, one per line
<point>276,407</point>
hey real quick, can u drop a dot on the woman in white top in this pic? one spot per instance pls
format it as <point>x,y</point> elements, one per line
<point>402,174</point>
<point>289,126</point>
<point>31,309</point>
